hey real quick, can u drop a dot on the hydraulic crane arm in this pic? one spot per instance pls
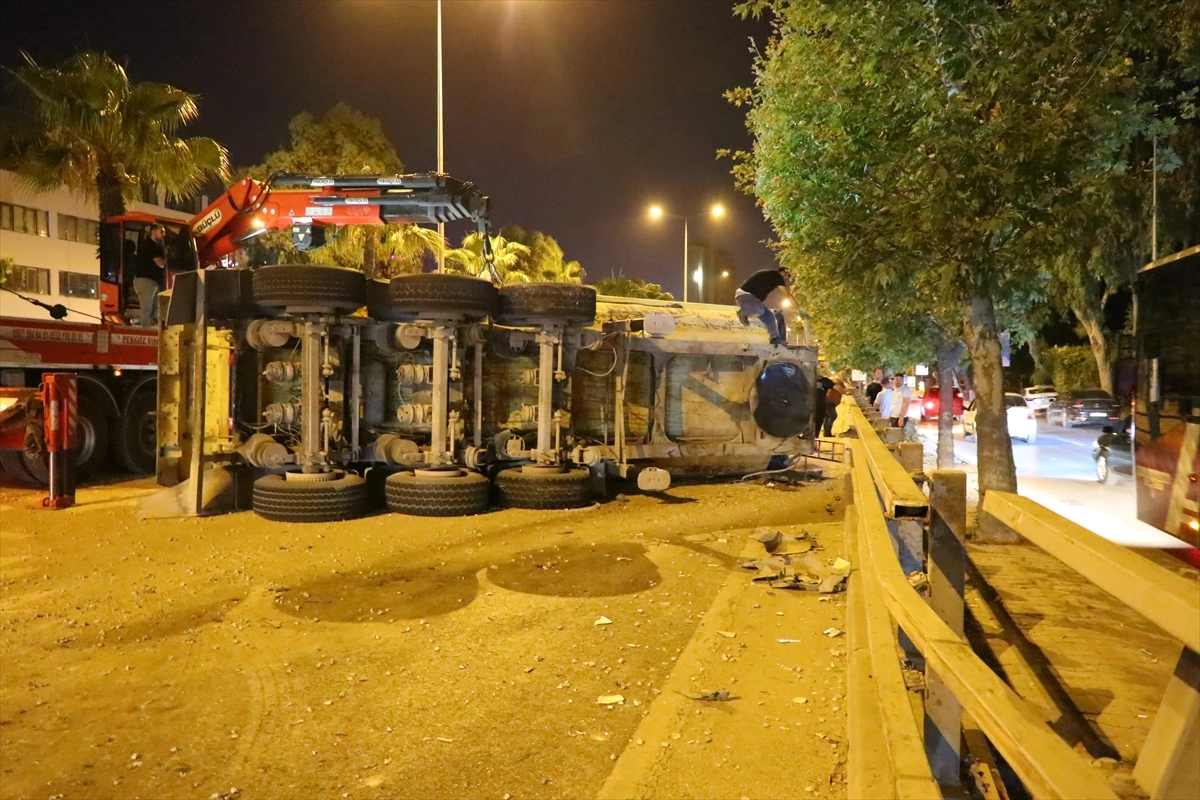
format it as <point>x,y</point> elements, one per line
<point>305,204</point>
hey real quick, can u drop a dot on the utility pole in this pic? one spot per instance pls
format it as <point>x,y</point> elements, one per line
<point>441,152</point>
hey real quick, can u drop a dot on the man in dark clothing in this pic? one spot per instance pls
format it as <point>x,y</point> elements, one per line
<point>751,300</point>
<point>824,384</point>
<point>875,386</point>
<point>149,271</point>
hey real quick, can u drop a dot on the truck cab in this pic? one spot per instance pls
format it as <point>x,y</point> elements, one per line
<point>120,238</point>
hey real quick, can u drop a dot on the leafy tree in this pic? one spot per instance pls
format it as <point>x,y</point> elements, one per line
<point>545,261</point>
<point>940,146</point>
<point>347,142</point>
<point>83,124</point>
<point>621,286</point>
<point>469,258</point>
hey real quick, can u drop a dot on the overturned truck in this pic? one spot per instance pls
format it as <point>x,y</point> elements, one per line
<point>310,393</point>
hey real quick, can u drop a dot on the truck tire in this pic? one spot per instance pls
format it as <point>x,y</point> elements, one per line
<point>276,498</point>
<point>441,296</point>
<point>134,440</point>
<point>15,465</point>
<point>310,287</point>
<point>531,304</point>
<point>544,490</point>
<point>91,452</point>
<point>424,495</point>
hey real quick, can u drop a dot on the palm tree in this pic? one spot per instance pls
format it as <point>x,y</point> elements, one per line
<point>508,258</point>
<point>88,127</point>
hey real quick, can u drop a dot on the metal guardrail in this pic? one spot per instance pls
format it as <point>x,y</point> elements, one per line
<point>887,501</point>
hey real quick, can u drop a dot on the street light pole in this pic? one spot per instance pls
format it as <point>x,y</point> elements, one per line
<point>656,212</point>
<point>441,228</point>
<point>685,260</point>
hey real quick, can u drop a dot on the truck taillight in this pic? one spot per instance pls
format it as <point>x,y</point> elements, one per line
<point>929,404</point>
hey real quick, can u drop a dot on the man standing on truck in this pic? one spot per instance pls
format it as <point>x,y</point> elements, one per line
<point>149,271</point>
<point>751,299</point>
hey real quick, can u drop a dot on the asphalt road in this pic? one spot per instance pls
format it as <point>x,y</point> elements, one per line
<point>1057,471</point>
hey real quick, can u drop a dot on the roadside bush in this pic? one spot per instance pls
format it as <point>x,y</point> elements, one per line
<point>1073,367</point>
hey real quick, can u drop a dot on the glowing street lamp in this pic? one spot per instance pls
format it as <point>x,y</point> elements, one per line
<point>716,211</point>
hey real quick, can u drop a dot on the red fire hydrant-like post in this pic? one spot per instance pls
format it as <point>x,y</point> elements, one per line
<point>60,401</point>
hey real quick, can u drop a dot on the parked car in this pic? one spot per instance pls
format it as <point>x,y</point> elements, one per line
<point>931,403</point>
<point>1022,422</point>
<point>1083,407</point>
<point>1113,452</point>
<point>1039,398</point>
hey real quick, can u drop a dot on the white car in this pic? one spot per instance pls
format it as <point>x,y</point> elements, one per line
<point>1022,422</point>
<point>1039,398</point>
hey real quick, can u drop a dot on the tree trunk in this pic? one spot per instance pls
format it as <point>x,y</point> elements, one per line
<point>993,445</point>
<point>1098,339</point>
<point>947,360</point>
<point>1037,351</point>
<point>108,192</point>
<point>370,237</point>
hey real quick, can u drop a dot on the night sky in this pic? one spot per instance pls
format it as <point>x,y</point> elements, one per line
<point>574,115</point>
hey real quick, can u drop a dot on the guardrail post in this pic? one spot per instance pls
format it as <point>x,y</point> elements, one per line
<point>1169,764</point>
<point>947,568</point>
<point>911,456</point>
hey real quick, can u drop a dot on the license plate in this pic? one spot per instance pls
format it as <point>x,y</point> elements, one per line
<point>1099,414</point>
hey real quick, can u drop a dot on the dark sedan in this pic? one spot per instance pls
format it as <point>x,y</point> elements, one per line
<point>1113,452</point>
<point>1083,407</point>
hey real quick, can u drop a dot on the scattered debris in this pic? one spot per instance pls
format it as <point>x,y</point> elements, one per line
<point>727,634</point>
<point>800,700</point>
<point>914,680</point>
<point>790,641</point>
<point>719,696</point>
<point>918,580</point>
<point>832,633</point>
<point>445,739</point>
<point>841,567</point>
<point>834,583</point>
<point>603,621</point>
<point>610,699</point>
<point>770,539</point>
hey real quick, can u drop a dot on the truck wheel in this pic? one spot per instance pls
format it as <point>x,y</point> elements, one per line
<point>91,453</point>
<point>134,439</point>
<point>544,490</point>
<point>424,493</point>
<point>529,304</point>
<point>15,464</point>
<point>441,296</point>
<point>309,287</point>
<point>330,500</point>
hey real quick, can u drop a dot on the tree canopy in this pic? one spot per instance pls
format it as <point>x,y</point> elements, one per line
<point>915,152</point>
<point>85,125</point>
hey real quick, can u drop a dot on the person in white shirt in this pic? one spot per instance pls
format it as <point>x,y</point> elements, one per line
<point>900,399</point>
<point>883,401</point>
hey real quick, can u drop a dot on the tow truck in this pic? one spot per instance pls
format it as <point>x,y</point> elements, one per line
<point>115,361</point>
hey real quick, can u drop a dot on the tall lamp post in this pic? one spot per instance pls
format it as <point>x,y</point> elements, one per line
<point>441,166</point>
<point>716,212</point>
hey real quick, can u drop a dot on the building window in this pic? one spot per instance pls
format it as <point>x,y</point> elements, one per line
<point>22,219</point>
<point>78,229</point>
<point>77,284</point>
<point>28,280</point>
